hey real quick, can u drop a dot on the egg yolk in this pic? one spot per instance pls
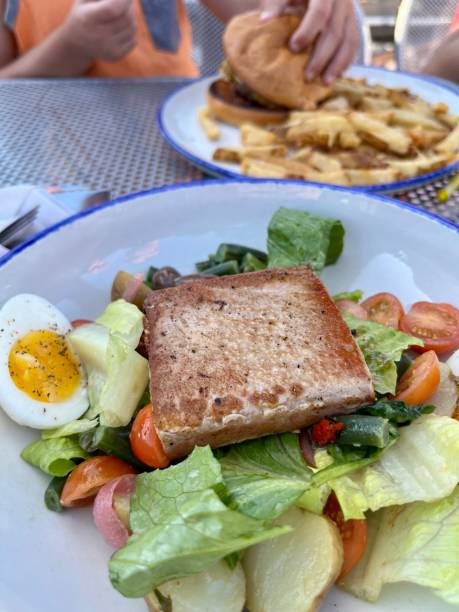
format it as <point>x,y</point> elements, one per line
<point>42,365</point>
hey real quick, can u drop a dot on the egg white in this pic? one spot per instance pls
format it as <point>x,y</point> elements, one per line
<point>20,315</point>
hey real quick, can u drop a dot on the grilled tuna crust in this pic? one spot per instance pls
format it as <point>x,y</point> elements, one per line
<point>244,356</point>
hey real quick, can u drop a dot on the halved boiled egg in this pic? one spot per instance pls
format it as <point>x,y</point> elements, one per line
<point>42,382</point>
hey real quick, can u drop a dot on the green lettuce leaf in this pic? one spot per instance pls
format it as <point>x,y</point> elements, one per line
<point>180,526</point>
<point>54,456</point>
<point>297,237</point>
<point>381,347</point>
<point>354,296</point>
<point>416,543</point>
<point>264,477</point>
<point>70,429</point>
<point>124,320</point>
<point>422,465</point>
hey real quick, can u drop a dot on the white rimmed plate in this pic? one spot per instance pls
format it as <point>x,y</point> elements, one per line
<point>179,126</point>
<point>53,562</point>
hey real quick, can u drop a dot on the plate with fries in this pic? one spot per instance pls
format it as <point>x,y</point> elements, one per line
<point>379,131</point>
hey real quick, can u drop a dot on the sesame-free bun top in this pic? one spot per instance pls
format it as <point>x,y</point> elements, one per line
<point>259,55</point>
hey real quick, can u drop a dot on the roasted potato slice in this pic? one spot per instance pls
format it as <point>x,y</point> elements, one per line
<point>294,572</point>
<point>219,589</point>
<point>122,281</point>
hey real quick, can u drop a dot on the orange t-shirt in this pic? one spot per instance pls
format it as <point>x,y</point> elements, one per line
<point>35,20</point>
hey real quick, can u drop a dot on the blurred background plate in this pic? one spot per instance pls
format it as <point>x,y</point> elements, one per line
<point>178,122</point>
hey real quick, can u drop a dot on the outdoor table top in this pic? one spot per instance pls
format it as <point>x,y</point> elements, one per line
<point>103,134</point>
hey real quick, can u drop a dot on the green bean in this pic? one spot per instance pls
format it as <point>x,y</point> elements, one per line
<point>149,277</point>
<point>53,492</point>
<point>204,265</point>
<point>250,263</point>
<point>227,252</point>
<point>364,430</point>
<point>223,269</point>
<point>110,440</point>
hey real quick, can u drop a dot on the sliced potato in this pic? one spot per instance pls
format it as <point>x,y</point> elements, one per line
<point>293,573</point>
<point>121,283</point>
<point>219,589</point>
<point>445,397</point>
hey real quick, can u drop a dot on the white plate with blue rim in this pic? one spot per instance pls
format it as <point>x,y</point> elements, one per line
<point>177,119</point>
<point>58,562</point>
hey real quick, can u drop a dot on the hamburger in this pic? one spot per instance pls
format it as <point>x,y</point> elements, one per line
<point>262,80</point>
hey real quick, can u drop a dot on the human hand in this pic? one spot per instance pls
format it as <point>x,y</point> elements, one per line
<point>330,26</point>
<point>102,29</point>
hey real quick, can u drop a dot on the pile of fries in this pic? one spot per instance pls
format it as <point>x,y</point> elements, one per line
<point>362,135</point>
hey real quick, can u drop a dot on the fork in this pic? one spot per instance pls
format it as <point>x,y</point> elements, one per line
<point>20,224</point>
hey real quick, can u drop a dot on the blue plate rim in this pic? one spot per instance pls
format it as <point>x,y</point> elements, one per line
<point>382,188</point>
<point>207,182</point>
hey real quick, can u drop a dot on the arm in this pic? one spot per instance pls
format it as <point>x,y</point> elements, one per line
<point>95,29</point>
<point>8,49</point>
<point>225,9</point>
<point>443,62</point>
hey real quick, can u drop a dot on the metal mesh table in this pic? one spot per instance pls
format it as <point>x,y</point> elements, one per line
<point>103,134</point>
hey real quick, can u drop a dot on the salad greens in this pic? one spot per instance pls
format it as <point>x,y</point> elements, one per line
<point>70,429</point>
<point>54,456</point>
<point>264,477</point>
<point>117,374</point>
<point>381,347</point>
<point>180,526</point>
<point>395,411</point>
<point>297,237</point>
<point>353,296</point>
<point>416,543</point>
<point>421,466</point>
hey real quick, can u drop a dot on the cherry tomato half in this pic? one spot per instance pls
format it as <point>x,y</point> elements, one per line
<point>89,476</point>
<point>436,324</point>
<point>384,308</point>
<point>352,308</point>
<point>353,534</point>
<point>145,443</point>
<point>420,380</point>
<point>79,322</point>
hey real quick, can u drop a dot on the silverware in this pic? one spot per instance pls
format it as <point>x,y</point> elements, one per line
<point>18,226</point>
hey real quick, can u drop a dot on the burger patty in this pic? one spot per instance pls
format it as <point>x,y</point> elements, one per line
<point>245,96</point>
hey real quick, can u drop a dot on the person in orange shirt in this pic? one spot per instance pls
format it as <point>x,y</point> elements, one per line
<point>143,38</point>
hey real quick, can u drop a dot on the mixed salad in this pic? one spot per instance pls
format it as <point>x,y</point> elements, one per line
<point>364,499</point>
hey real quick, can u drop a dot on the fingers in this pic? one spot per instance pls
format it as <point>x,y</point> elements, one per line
<point>346,53</point>
<point>105,11</point>
<point>314,22</point>
<point>328,42</point>
<point>272,8</point>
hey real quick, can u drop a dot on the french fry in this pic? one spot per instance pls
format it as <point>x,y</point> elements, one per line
<point>407,118</point>
<point>380,135</point>
<point>324,163</point>
<point>349,140</point>
<point>440,108</point>
<point>302,154</point>
<point>322,130</point>
<point>252,135</point>
<point>237,154</point>
<point>340,104</point>
<point>450,144</point>
<point>426,139</point>
<point>419,165</point>
<point>209,125</point>
<point>370,104</point>
<point>260,168</point>
<point>291,168</point>
<point>372,176</point>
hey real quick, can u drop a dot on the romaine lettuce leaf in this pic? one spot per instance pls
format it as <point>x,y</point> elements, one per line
<point>70,429</point>
<point>416,543</point>
<point>381,347</point>
<point>353,296</point>
<point>180,526</point>
<point>297,237</point>
<point>264,477</point>
<point>422,465</point>
<point>124,320</point>
<point>54,456</point>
